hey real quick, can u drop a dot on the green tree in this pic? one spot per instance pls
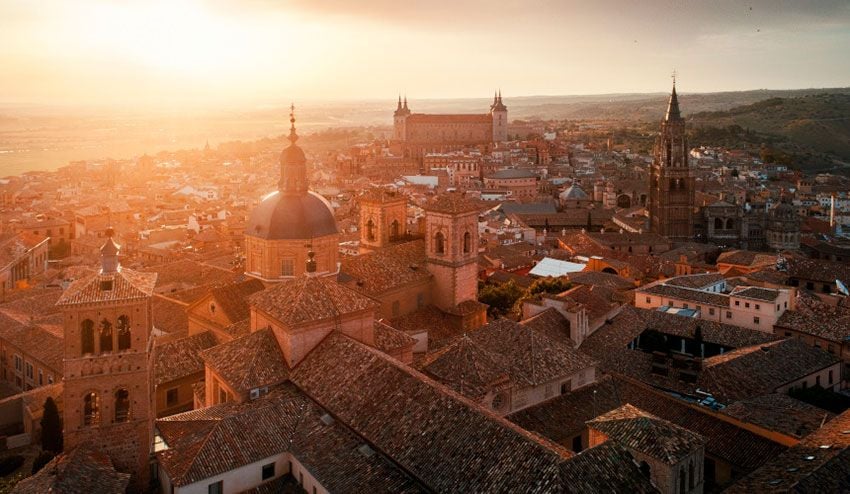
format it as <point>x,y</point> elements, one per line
<point>51,427</point>
<point>500,298</point>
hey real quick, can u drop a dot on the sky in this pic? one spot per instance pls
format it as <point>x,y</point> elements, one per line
<point>253,52</point>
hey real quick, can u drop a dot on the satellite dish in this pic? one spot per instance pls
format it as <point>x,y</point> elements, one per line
<point>842,287</point>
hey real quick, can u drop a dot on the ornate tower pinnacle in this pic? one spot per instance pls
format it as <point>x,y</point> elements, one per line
<point>293,163</point>
<point>109,254</point>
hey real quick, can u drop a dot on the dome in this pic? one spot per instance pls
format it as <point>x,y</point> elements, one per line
<point>573,192</point>
<point>292,216</point>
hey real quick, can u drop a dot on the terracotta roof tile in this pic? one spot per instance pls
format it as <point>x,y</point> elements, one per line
<point>81,470</point>
<point>180,358</point>
<point>248,362</point>
<point>309,298</point>
<point>123,285</point>
<point>387,269</point>
<point>644,432</point>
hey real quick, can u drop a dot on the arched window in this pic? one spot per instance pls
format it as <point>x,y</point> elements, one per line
<point>91,409</point>
<point>440,243</point>
<point>681,481</point>
<point>691,474</point>
<point>105,336</point>
<point>467,243</point>
<point>87,336</point>
<point>718,224</point>
<point>124,339</point>
<point>730,224</point>
<point>122,405</point>
<point>370,230</point>
<point>394,230</point>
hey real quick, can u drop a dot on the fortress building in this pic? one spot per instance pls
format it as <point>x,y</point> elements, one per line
<point>415,134</point>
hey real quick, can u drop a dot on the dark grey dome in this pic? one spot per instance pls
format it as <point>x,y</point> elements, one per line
<point>291,216</point>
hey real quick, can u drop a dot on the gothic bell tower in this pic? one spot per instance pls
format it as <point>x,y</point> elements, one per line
<point>107,384</point>
<point>671,182</point>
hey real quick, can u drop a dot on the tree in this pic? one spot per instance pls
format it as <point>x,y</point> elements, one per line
<point>51,427</point>
<point>501,298</point>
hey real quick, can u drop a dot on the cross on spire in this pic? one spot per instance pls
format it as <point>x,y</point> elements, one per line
<point>673,75</point>
<point>292,135</point>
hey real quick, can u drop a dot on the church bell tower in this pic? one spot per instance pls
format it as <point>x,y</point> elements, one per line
<point>671,182</point>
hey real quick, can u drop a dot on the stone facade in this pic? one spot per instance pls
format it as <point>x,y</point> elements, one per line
<point>107,393</point>
<point>383,219</point>
<point>452,253</point>
<point>276,260</point>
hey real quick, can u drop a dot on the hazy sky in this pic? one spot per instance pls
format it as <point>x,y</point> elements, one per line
<point>230,53</point>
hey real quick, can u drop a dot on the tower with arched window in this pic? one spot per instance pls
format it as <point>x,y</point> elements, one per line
<point>383,218</point>
<point>107,385</point>
<point>671,181</point>
<point>451,231</point>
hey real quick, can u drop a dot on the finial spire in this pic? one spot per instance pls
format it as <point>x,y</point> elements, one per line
<point>399,102</point>
<point>405,102</point>
<point>673,106</point>
<point>292,135</point>
<point>109,253</point>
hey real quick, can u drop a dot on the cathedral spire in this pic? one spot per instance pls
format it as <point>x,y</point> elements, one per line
<point>405,102</point>
<point>399,102</point>
<point>673,105</point>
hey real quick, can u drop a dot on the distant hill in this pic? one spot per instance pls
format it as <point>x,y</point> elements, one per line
<point>818,123</point>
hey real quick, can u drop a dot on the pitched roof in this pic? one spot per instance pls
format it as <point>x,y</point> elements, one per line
<point>608,465</point>
<point>388,339</point>
<point>309,298</point>
<point>122,285</point>
<point>387,269</point>
<point>818,463</point>
<point>779,412</point>
<point>433,433</point>
<point>82,469</point>
<point>551,323</point>
<point>766,367</point>
<point>453,203</point>
<point>232,298</point>
<point>644,432</point>
<point>180,358</point>
<point>249,362</point>
<point>210,441</point>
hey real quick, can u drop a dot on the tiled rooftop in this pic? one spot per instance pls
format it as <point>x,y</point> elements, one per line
<point>309,298</point>
<point>180,358</point>
<point>126,285</point>
<point>80,470</point>
<point>635,429</point>
<point>248,362</point>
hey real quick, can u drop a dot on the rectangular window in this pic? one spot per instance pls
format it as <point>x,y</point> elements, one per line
<point>728,315</point>
<point>711,311</point>
<point>817,380</point>
<point>40,377</point>
<point>18,363</point>
<point>287,267</point>
<point>29,370</point>
<point>737,302</point>
<point>684,306</point>
<point>755,320</point>
<point>758,307</point>
<point>268,471</point>
<point>216,487</point>
<point>50,379</point>
<point>171,397</point>
<point>830,376</point>
<point>747,305</point>
<point>648,300</point>
<point>565,387</point>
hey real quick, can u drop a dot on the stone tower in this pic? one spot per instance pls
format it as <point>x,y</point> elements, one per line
<point>671,182</point>
<point>383,218</point>
<point>499,112</point>
<point>400,119</point>
<point>107,384</point>
<point>451,233</point>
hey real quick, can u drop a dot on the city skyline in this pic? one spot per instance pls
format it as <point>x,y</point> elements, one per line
<point>158,54</point>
